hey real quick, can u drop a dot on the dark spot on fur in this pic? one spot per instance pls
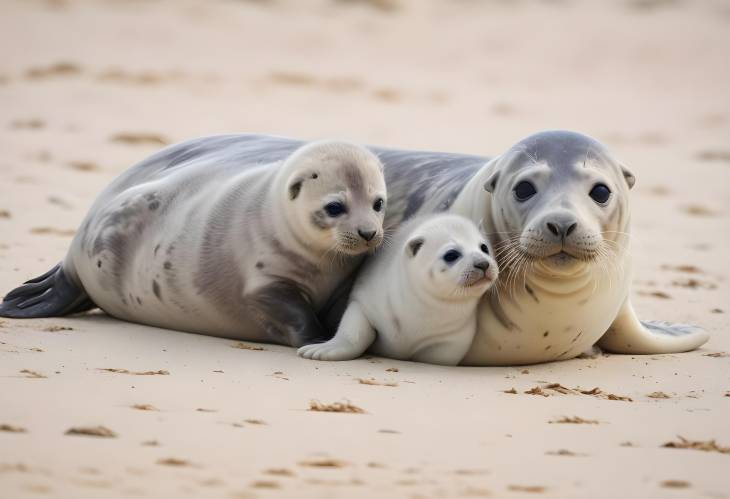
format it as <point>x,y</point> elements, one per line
<point>98,263</point>
<point>156,290</point>
<point>548,347</point>
<point>259,265</point>
<point>139,300</point>
<point>314,175</point>
<point>353,178</point>
<point>167,265</point>
<point>545,334</point>
<point>124,302</point>
<point>153,205</point>
<point>294,189</point>
<point>396,322</point>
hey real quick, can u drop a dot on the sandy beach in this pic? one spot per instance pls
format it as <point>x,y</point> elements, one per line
<point>94,407</point>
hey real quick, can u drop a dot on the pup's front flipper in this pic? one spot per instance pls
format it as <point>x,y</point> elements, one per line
<point>353,337</point>
<point>629,335</point>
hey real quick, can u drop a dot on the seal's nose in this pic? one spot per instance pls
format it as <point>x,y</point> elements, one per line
<point>561,229</point>
<point>368,235</point>
<point>482,265</point>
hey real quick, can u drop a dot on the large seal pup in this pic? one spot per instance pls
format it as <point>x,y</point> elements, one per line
<point>416,298</point>
<point>209,238</point>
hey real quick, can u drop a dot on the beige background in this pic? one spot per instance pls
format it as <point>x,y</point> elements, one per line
<point>647,77</point>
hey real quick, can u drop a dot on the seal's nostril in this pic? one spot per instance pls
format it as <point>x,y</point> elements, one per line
<point>571,229</point>
<point>366,234</point>
<point>552,228</point>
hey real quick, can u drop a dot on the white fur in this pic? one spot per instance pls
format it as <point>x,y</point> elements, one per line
<point>409,303</point>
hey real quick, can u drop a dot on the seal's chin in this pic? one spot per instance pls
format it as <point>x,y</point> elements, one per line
<point>563,261</point>
<point>477,281</point>
<point>353,250</point>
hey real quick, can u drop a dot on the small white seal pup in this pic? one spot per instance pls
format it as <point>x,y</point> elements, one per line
<point>416,298</point>
<point>214,237</point>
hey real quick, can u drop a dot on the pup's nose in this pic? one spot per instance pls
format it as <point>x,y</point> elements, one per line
<point>482,265</point>
<point>367,234</point>
<point>561,229</point>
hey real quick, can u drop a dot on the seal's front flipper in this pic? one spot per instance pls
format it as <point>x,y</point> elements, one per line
<point>629,335</point>
<point>286,315</point>
<point>51,295</point>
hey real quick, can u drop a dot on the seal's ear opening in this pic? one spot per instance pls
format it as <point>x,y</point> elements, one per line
<point>630,179</point>
<point>413,246</point>
<point>491,182</point>
<point>294,189</point>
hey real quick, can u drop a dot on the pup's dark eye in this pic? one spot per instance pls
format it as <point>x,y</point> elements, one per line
<point>484,248</point>
<point>335,209</point>
<point>378,204</point>
<point>600,193</point>
<point>451,256</point>
<point>524,191</point>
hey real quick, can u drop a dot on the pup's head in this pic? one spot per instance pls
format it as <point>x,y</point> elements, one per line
<point>337,195</point>
<point>449,257</point>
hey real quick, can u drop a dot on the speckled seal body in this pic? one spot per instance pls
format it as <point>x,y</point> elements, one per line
<point>228,236</point>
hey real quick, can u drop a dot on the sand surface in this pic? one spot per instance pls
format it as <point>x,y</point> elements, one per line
<point>89,87</point>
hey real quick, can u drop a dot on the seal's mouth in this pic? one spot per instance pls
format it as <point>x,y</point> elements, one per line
<point>474,279</point>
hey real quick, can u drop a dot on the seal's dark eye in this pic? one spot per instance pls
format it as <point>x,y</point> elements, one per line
<point>484,248</point>
<point>378,204</point>
<point>600,193</point>
<point>335,209</point>
<point>524,191</point>
<point>451,256</point>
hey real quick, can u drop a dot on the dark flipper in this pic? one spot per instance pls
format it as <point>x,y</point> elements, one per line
<point>286,315</point>
<point>50,295</point>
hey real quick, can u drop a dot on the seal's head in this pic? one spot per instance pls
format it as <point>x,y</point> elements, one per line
<point>448,257</point>
<point>336,195</point>
<point>559,199</point>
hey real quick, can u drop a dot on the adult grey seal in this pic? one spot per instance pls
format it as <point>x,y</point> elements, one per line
<point>416,298</point>
<point>556,209</point>
<point>208,237</point>
<point>539,285</point>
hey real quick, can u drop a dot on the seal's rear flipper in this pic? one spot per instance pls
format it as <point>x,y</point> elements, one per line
<point>50,295</point>
<point>629,335</point>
